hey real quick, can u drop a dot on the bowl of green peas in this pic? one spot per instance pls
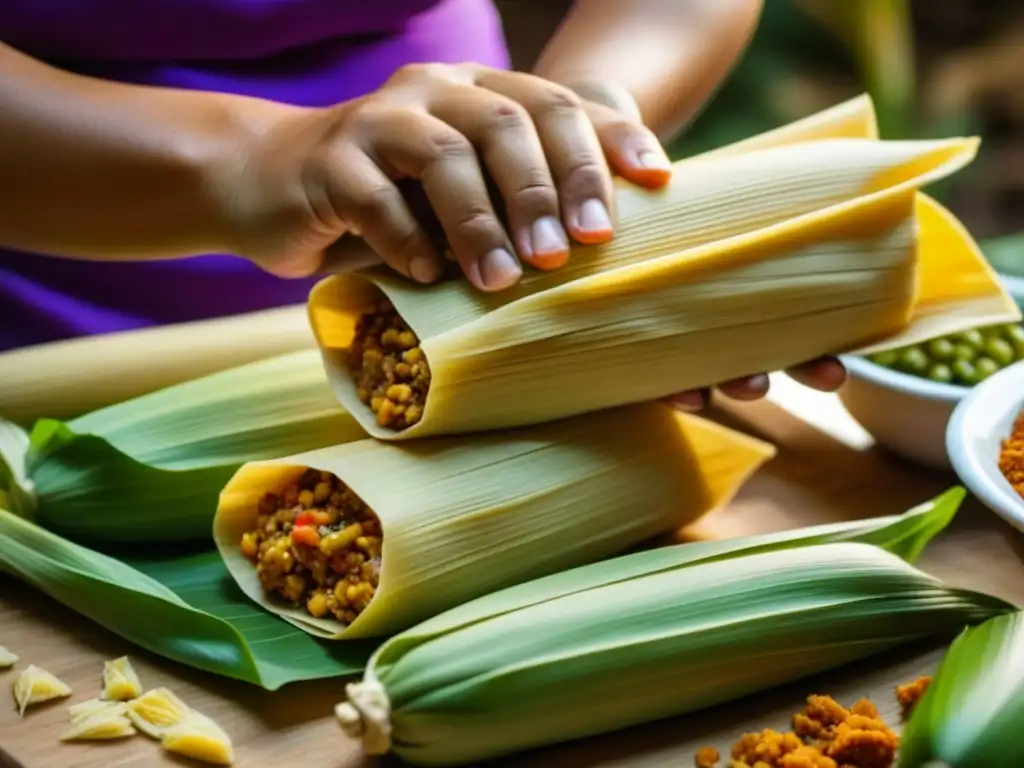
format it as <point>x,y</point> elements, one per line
<point>904,397</point>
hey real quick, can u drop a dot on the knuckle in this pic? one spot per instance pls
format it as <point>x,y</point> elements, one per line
<point>536,196</point>
<point>556,98</point>
<point>508,116</point>
<point>586,175</point>
<point>371,208</point>
<point>448,144</point>
<point>477,225</point>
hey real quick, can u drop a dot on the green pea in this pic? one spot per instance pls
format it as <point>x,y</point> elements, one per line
<point>973,337</point>
<point>965,372</point>
<point>1000,351</point>
<point>885,359</point>
<point>985,366</point>
<point>992,331</point>
<point>941,373</point>
<point>942,349</point>
<point>1013,332</point>
<point>965,352</point>
<point>914,360</point>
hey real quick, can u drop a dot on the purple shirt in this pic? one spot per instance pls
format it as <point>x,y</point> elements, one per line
<point>305,52</point>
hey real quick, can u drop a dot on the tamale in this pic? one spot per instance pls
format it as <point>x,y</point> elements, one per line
<point>790,247</point>
<point>366,538</point>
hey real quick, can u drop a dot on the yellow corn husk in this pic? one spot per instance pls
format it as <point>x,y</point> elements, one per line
<point>120,682</point>
<point>86,710</point>
<point>103,725</point>
<point>7,659</point>
<point>462,518</point>
<point>199,738</point>
<point>64,379</point>
<point>789,247</point>
<point>35,686</point>
<point>621,643</point>
<point>155,711</point>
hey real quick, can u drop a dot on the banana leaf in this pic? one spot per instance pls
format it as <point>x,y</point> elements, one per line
<point>149,470</point>
<point>184,605</point>
<point>971,714</point>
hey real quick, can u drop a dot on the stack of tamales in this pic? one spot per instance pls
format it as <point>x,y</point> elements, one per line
<point>463,444</point>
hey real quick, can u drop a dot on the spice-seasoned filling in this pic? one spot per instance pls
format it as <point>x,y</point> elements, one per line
<point>391,371</point>
<point>318,545</point>
<point>1011,456</point>
<point>825,735</point>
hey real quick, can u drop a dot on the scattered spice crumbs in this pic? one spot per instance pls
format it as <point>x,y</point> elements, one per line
<point>825,735</point>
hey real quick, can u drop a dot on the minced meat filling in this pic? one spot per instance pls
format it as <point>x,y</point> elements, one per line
<point>391,371</point>
<point>318,545</point>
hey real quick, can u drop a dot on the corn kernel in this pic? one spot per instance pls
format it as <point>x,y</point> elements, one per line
<point>317,605</point>
<point>400,393</point>
<point>411,356</point>
<point>306,499</point>
<point>249,546</point>
<point>386,414</point>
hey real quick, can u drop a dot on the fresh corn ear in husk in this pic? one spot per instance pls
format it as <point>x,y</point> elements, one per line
<point>972,713</point>
<point>399,532</point>
<point>617,644</point>
<point>150,469</point>
<point>808,241</point>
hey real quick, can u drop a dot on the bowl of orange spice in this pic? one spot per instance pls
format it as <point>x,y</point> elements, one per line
<point>985,442</point>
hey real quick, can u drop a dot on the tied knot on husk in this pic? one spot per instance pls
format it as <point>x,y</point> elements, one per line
<point>367,715</point>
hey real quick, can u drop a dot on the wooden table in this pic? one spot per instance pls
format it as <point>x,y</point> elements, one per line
<point>817,477</point>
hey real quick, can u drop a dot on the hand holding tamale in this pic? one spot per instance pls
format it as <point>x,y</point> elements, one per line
<point>813,240</point>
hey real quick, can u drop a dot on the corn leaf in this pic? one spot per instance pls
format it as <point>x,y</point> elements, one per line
<point>972,713</point>
<point>15,487</point>
<point>184,607</point>
<point>151,469</point>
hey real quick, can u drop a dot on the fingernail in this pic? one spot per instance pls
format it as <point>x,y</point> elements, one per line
<point>759,382</point>
<point>548,237</point>
<point>655,161</point>
<point>499,269</point>
<point>424,269</point>
<point>594,218</point>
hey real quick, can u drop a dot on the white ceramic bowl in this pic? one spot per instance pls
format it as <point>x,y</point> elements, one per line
<point>906,414</point>
<point>979,424</point>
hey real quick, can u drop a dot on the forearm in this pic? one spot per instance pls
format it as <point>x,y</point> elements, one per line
<point>669,54</point>
<point>94,169</point>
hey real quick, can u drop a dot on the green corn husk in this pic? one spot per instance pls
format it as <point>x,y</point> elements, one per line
<point>638,639</point>
<point>186,607</point>
<point>972,714</point>
<point>151,469</point>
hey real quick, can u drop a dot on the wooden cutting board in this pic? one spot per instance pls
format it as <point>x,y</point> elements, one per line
<point>816,478</point>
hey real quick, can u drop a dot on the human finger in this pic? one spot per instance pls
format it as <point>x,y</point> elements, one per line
<point>420,146</point>
<point>504,133</point>
<point>572,148</point>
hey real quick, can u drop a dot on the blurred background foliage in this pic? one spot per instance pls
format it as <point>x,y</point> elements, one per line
<point>933,67</point>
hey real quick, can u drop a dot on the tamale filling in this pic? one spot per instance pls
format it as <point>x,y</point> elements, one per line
<point>391,372</point>
<point>316,544</point>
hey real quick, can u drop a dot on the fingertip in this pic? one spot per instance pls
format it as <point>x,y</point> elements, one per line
<point>496,271</point>
<point>748,388</point>
<point>295,267</point>
<point>825,375</point>
<point>425,269</point>
<point>688,402</point>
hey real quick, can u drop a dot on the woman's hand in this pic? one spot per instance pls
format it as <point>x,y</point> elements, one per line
<point>550,151</point>
<point>325,173</point>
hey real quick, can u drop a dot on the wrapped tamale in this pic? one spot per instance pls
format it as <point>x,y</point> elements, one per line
<point>367,538</point>
<point>811,240</point>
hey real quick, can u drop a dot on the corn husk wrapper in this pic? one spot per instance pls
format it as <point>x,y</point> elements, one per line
<point>971,714</point>
<point>460,519</point>
<point>808,241</point>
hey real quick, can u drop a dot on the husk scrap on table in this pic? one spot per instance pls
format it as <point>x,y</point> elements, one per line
<point>811,240</point>
<point>462,518</point>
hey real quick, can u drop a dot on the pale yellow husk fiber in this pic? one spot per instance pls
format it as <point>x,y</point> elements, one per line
<point>463,518</point>
<point>808,241</point>
<point>68,378</point>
